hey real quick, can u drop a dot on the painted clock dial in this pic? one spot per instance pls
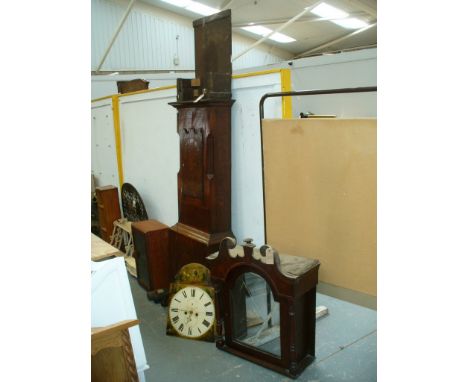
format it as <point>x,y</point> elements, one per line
<point>191,312</point>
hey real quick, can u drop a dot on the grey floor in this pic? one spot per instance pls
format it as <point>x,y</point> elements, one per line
<point>346,348</point>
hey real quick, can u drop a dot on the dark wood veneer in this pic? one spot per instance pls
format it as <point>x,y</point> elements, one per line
<point>151,241</point>
<point>108,210</point>
<point>204,128</point>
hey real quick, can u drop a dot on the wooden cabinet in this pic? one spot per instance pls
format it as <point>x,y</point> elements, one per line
<point>108,209</point>
<point>151,241</point>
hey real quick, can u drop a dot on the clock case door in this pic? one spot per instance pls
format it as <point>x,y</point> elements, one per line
<point>204,178</point>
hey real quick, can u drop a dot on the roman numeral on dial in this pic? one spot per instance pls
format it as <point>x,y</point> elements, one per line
<point>192,292</point>
<point>206,323</point>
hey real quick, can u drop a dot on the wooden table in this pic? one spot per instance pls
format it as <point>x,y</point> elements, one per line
<point>101,250</point>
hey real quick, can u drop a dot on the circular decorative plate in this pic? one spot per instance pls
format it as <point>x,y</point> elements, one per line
<point>132,205</point>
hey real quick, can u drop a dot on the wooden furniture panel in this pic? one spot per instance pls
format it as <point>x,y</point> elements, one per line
<point>188,248</point>
<point>108,210</point>
<point>151,242</point>
<point>204,179</point>
<point>112,356</point>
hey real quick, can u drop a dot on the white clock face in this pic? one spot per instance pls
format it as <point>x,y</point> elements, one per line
<point>192,312</point>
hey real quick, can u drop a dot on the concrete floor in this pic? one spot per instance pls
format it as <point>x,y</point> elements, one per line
<point>346,348</point>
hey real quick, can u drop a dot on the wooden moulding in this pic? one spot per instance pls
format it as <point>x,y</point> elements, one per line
<point>200,236</point>
<point>112,356</point>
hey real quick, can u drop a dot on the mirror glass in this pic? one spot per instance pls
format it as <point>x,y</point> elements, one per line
<point>256,314</point>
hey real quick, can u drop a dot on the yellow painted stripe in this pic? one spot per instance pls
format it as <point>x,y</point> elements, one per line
<point>133,93</point>
<point>101,98</point>
<point>286,87</point>
<point>147,91</point>
<point>287,108</point>
<point>118,142</point>
<point>259,73</point>
<point>242,75</point>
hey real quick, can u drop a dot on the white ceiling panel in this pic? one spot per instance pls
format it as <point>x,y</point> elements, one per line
<point>308,31</point>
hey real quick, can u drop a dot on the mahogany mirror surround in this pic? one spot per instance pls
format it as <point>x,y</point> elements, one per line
<point>283,340</point>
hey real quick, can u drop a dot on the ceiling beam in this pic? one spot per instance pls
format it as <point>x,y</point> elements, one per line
<point>363,7</point>
<point>116,33</point>
<point>337,40</point>
<point>277,30</point>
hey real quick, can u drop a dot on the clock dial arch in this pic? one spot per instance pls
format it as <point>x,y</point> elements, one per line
<point>192,312</point>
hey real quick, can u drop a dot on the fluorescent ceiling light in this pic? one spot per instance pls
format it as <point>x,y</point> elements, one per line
<point>263,31</point>
<point>281,37</point>
<point>338,16</point>
<point>327,11</point>
<point>193,6</point>
<point>178,3</point>
<point>351,23</point>
<point>201,9</point>
<point>258,29</point>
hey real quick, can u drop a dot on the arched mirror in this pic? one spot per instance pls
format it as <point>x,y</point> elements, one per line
<point>265,305</point>
<point>256,314</point>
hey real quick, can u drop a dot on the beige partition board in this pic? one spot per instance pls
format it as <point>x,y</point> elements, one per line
<point>320,195</point>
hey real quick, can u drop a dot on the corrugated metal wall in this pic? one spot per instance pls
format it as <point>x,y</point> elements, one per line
<point>148,41</point>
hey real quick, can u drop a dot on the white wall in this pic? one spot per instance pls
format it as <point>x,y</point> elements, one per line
<point>343,70</point>
<point>147,40</point>
<point>103,152</point>
<point>246,176</point>
<point>150,151</point>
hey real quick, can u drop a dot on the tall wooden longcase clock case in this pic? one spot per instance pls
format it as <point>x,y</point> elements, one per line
<point>204,128</point>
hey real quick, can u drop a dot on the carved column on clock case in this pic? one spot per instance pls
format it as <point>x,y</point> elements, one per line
<point>204,128</point>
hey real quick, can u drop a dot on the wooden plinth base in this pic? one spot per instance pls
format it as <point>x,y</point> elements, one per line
<point>190,245</point>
